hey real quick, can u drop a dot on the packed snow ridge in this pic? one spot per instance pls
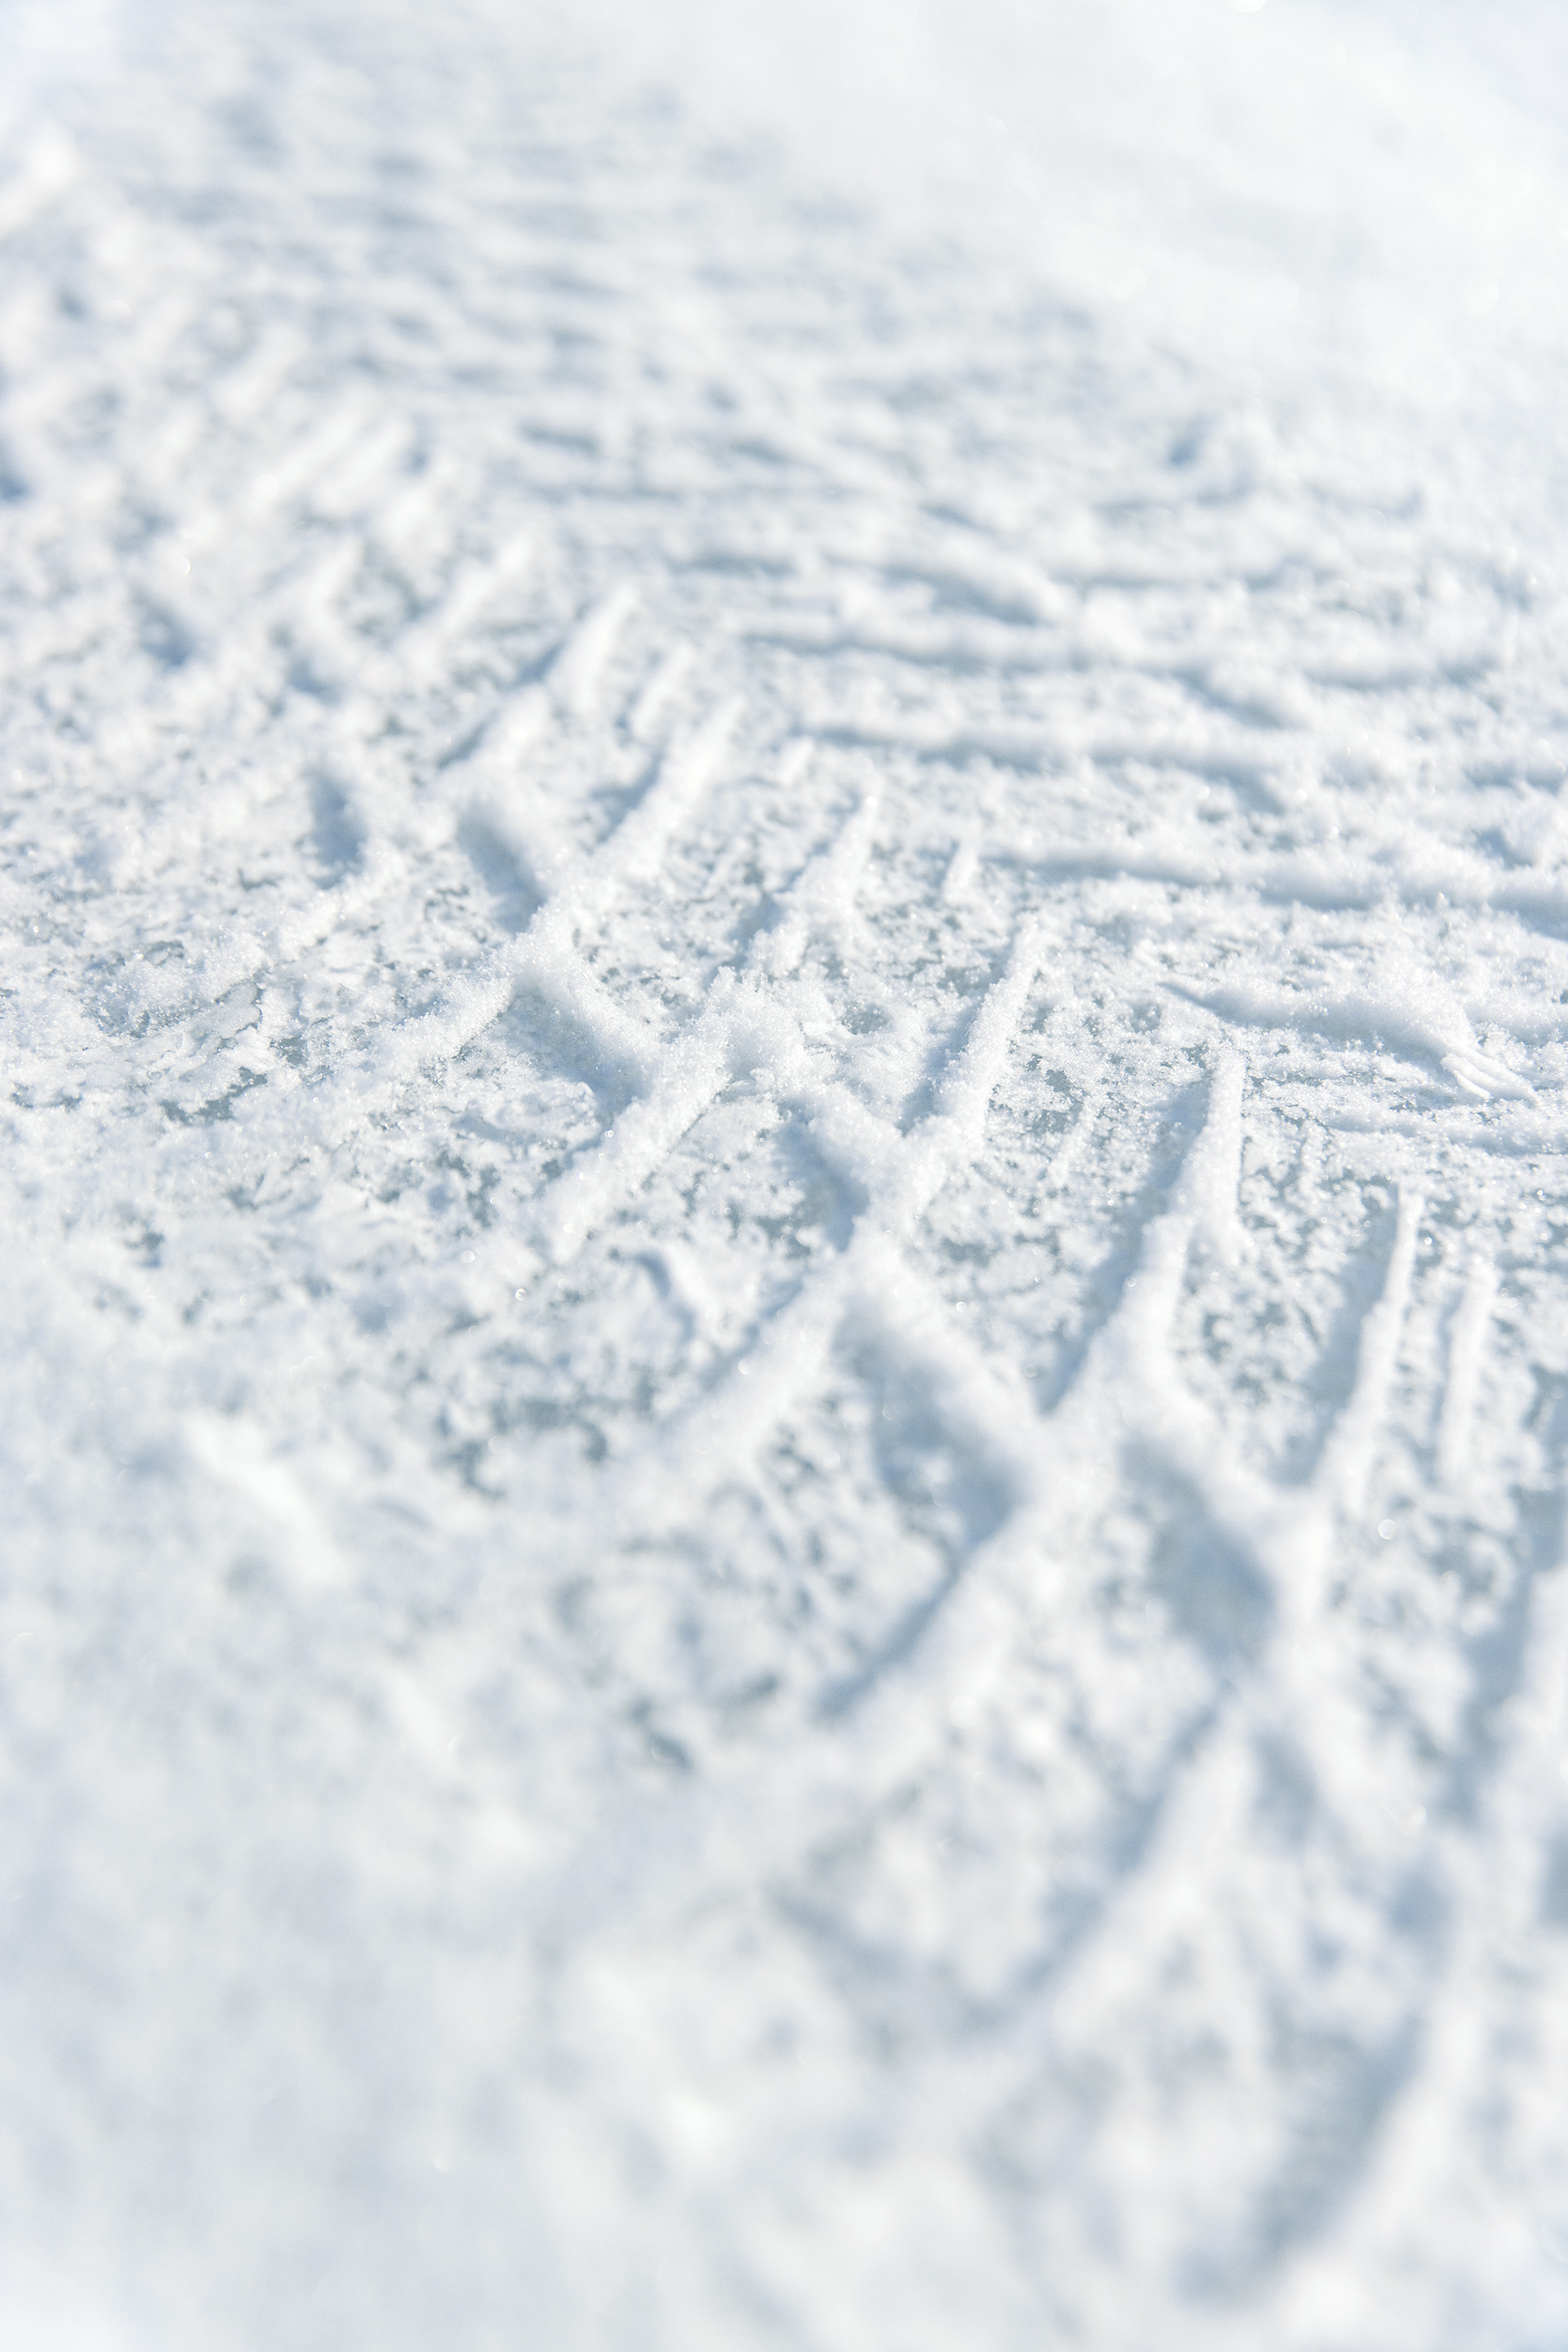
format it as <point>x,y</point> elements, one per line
<point>785,1008</point>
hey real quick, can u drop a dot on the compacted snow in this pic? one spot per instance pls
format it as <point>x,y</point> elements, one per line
<point>785,1008</point>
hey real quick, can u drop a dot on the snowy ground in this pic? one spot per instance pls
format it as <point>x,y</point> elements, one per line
<point>785,1008</point>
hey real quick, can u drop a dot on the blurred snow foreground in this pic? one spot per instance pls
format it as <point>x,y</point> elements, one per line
<point>785,1359</point>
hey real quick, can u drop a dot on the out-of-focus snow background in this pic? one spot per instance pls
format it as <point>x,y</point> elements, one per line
<point>785,1350</point>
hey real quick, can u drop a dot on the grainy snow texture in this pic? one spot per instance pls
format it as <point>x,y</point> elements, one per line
<point>785,1351</point>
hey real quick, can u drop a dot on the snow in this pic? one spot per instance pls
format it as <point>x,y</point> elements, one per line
<point>785,1002</point>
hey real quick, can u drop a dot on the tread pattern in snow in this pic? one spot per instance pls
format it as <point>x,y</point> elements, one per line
<point>786,1394</point>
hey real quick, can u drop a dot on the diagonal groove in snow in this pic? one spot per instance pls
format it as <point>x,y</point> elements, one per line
<point>1300,1685</point>
<point>823,891</point>
<point>902,1176</point>
<point>580,668</point>
<point>1399,1015</point>
<point>739,1022</point>
<point>1467,1353</point>
<point>1347,1460</point>
<point>585,894</point>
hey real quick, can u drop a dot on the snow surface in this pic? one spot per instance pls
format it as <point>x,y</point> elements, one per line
<point>785,1358</point>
